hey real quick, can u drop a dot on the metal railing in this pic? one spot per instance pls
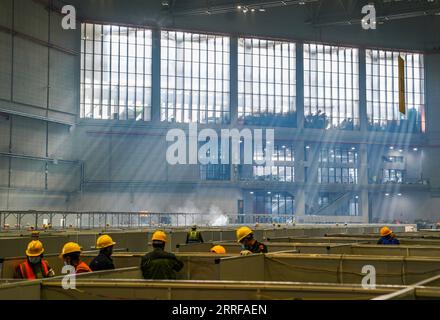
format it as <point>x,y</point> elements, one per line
<point>38,220</point>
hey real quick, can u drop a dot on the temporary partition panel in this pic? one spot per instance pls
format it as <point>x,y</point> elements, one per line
<point>348,269</point>
<point>24,290</point>
<point>206,290</point>
<point>243,268</point>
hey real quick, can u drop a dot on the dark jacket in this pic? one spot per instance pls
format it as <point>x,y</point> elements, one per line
<point>388,240</point>
<point>102,262</point>
<point>257,247</point>
<point>194,237</point>
<point>160,265</point>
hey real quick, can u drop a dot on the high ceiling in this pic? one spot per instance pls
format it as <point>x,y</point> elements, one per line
<point>320,12</point>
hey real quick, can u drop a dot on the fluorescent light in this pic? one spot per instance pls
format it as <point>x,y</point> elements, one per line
<point>415,149</point>
<point>261,9</point>
<point>399,194</point>
<point>400,150</point>
<point>251,192</point>
<point>307,147</point>
<point>387,194</point>
<point>353,148</point>
<point>252,10</point>
<point>391,148</point>
<point>239,7</point>
<point>269,192</point>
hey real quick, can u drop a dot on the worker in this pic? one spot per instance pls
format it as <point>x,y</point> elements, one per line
<point>245,236</point>
<point>35,267</point>
<point>194,236</point>
<point>218,250</point>
<point>71,254</point>
<point>159,264</point>
<point>387,237</point>
<point>103,261</point>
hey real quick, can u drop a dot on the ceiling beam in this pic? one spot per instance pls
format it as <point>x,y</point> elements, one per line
<point>255,5</point>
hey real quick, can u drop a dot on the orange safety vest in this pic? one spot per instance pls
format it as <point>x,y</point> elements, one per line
<point>82,267</point>
<point>28,273</point>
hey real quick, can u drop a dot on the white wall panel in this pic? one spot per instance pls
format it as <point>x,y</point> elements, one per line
<point>27,174</point>
<point>30,73</point>
<point>5,65</point>
<point>62,81</point>
<point>31,18</point>
<point>29,137</point>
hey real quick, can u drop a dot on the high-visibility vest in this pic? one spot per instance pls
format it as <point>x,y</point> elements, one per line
<point>82,267</point>
<point>28,273</point>
<point>194,235</point>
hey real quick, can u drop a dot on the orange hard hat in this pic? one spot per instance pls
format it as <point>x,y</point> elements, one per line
<point>385,231</point>
<point>218,250</point>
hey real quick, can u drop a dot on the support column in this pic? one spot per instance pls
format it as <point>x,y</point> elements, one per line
<point>300,203</point>
<point>300,86</point>
<point>155,84</point>
<point>233,87</point>
<point>363,91</point>
<point>363,183</point>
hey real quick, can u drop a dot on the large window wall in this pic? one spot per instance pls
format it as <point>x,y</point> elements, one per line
<point>331,87</point>
<point>274,203</point>
<point>383,91</point>
<point>115,72</point>
<point>282,170</point>
<point>318,204</point>
<point>194,78</point>
<point>267,82</point>
<point>116,81</point>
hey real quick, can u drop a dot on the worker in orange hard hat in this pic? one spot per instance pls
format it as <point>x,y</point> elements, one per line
<point>71,255</point>
<point>35,267</point>
<point>245,236</point>
<point>218,250</point>
<point>387,237</point>
<point>159,264</point>
<point>104,260</point>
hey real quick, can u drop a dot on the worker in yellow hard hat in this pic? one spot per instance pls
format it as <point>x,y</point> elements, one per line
<point>71,254</point>
<point>159,264</point>
<point>104,260</point>
<point>194,236</point>
<point>218,250</point>
<point>387,237</point>
<point>245,236</point>
<point>35,267</point>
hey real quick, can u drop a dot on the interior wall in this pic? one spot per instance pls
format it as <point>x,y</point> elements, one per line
<point>40,80</point>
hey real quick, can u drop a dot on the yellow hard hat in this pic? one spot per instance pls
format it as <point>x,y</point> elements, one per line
<point>385,231</point>
<point>243,232</point>
<point>34,249</point>
<point>218,250</point>
<point>159,236</point>
<point>70,248</point>
<point>104,241</point>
